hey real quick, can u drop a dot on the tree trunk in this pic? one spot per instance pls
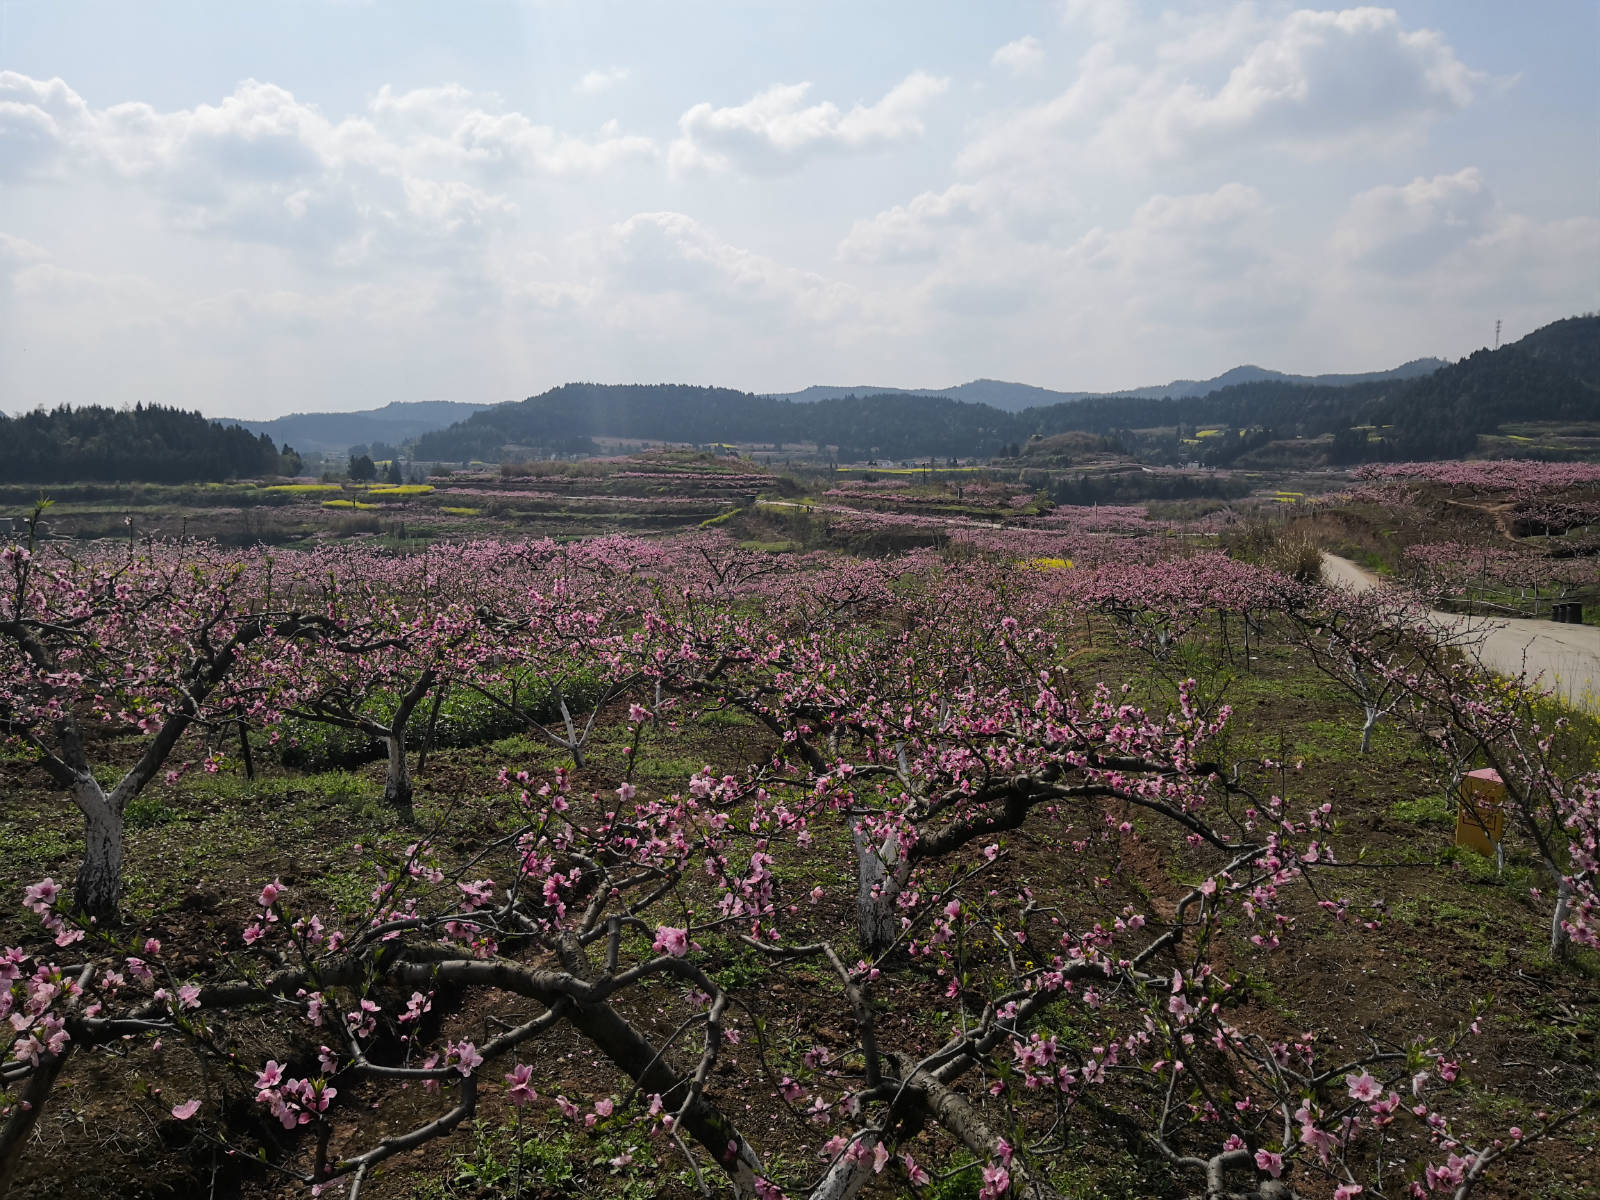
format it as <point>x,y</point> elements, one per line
<point>99,887</point>
<point>244,749</point>
<point>1558,935</point>
<point>574,742</point>
<point>876,890</point>
<point>397,783</point>
<point>1366,730</point>
<point>845,1178</point>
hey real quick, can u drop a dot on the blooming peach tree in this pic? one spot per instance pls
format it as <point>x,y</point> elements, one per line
<point>143,640</point>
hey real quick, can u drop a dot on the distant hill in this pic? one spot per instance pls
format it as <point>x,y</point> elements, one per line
<point>996,393</point>
<point>567,419</point>
<point>1017,397</point>
<point>1420,410</point>
<point>336,432</point>
<point>1572,346</point>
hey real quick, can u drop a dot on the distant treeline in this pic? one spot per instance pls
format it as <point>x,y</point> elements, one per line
<point>146,443</point>
<point>1552,374</point>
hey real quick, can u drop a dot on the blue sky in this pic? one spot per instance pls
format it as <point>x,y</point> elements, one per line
<point>321,204</point>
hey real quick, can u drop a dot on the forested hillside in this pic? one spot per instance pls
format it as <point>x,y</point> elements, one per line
<point>567,418</point>
<point>144,443</point>
<point>1550,375</point>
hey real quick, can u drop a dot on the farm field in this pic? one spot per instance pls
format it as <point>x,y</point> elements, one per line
<point>672,825</point>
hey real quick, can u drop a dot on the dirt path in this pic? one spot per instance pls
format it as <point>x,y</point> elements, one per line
<point>1565,657</point>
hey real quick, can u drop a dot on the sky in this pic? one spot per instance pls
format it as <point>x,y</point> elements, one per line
<point>302,205</point>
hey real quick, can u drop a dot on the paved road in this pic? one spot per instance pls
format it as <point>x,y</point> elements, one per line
<point>1566,657</point>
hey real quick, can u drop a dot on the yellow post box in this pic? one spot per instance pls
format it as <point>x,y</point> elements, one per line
<point>1481,811</point>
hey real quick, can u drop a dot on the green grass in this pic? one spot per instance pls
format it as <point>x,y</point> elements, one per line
<point>1430,808</point>
<point>540,1159</point>
<point>726,717</point>
<point>146,811</point>
<point>40,845</point>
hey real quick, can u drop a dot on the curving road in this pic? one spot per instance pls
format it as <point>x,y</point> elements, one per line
<point>1565,657</point>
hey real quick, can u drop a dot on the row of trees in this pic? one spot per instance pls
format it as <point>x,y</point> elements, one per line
<point>146,443</point>
<point>924,728</point>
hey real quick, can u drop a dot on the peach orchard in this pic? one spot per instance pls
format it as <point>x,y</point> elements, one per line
<point>926,731</point>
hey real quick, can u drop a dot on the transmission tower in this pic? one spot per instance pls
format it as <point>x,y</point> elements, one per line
<point>1497,333</point>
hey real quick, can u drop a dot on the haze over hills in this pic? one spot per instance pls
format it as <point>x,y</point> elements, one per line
<point>1017,397</point>
<point>335,432</point>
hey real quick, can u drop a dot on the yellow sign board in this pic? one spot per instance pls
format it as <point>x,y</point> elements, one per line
<point>1481,811</point>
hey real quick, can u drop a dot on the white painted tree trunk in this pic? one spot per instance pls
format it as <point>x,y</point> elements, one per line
<point>574,742</point>
<point>397,789</point>
<point>1366,730</point>
<point>846,1177</point>
<point>99,886</point>
<point>1558,935</point>
<point>876,891</point>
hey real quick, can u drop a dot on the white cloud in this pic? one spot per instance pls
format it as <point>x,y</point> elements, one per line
<point>1021,57</point>
<point>1310,84</point>
<point>259,248</point>
<point>1189,239</point>
<point>1402,229</point>
<point>775,131</point>
<point>669,252</point>
<point>16,252</point>
<point>1427,266</point>
<point>913,231</point>
<point>1182,283</point>
<point>452,127</point>
<point>263,166</point>
<point>1447,237</point>
<point>1102,18</point>
<point>600,80</point>
<point>1195,38</point>
<point>1322,76</point>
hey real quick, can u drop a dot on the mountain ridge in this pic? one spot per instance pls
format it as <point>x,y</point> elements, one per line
<point>1019,397</point>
